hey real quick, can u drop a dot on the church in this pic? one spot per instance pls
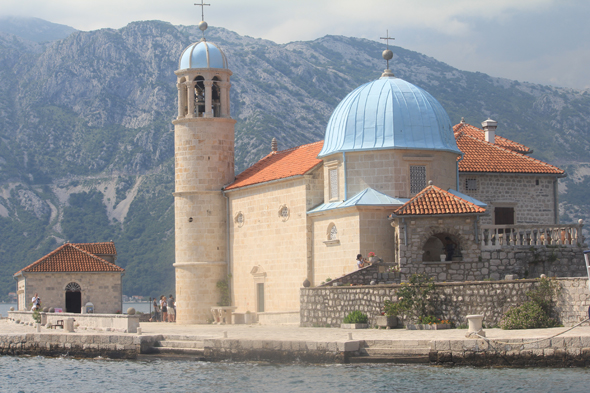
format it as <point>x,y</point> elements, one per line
<point>393,176</point>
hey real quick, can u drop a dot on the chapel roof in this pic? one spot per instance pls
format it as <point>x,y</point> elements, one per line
<point>202,54</point>
<point>388,113</point>
<point>105,248</point>
<point>435,200</point>
<point>280,165</point>
<point>468,129</point>
<point>71,258</point>
<point>482,156</point>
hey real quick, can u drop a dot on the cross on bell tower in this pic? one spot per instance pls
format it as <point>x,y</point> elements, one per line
<point>202,24</point>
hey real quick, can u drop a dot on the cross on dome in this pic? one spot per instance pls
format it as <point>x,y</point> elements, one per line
<point>387,54</point>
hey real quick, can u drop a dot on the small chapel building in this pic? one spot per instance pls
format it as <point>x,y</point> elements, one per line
<point>71,276</point>
<point>392,176</point>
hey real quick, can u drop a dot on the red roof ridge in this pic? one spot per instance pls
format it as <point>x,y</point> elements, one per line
<point>279,165</point>
<point>510,151</point>
<point>468,207</point>
<point>499,140</point>
<point>59,249</point>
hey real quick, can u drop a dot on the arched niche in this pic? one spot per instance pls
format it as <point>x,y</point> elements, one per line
<point>441,243</point>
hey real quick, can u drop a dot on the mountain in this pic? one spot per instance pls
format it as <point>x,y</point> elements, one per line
<point>86,143</point>
<point>34,29</point>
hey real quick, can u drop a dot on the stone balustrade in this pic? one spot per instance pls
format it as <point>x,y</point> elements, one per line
<point>496,237</point>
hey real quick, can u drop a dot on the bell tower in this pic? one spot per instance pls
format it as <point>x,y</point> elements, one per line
<point>204,164</point>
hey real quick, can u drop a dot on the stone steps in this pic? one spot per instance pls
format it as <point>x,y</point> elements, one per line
<point>182,344</point>
<point>191,352</point>
<point>393,351</point>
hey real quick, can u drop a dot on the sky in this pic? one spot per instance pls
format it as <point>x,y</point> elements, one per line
<point>540,41</point>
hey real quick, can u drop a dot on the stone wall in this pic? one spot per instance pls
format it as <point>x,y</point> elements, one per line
<point>327,306</point>
<point>103,289</point>
<point>473,263</point>
<point>269,248</point>
<point>376,272</point>
<point>533,203</point>
<point>75,345</point>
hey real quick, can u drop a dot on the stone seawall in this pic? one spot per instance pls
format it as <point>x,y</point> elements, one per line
<point>327,306</point>
<point>554,352</point>
<point>75,345</point>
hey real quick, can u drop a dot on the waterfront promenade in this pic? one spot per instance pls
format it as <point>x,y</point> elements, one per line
<point>288,343</point>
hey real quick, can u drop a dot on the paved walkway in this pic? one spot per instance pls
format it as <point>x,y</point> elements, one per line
<point>294,333</point>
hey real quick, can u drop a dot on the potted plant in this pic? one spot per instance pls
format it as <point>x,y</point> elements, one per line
<point>355,320</point>
<point>386,321</point>
<point>443,257</point>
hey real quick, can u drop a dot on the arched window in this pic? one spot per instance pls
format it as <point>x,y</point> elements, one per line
<point>199,96</point>
<point>73,287</point>
<point>216,97</point>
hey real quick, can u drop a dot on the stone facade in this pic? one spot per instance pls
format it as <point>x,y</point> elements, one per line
<point>270,242</point>
<point>101,289</point>
<point>388,171</point>
<point>533,203</point>
<point>327,306</point>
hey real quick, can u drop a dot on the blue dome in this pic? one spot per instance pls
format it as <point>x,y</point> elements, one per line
<point>389,113</point>
<point>202,55</point>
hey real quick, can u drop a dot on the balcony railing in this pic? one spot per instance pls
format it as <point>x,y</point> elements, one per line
<point>495,237</point>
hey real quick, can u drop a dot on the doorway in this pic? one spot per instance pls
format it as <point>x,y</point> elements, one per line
<point>73,298</point>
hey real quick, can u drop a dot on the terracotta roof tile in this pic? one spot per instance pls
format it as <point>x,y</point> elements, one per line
<point>482,156</point>
<point>468,129</point>
<point>435,200</point>
<point>106,248</point>
<point>279,165</point>
<point>71,258</point>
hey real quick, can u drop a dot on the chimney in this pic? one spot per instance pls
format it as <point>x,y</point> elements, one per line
<point>489,130</point>
<point>274,146</point>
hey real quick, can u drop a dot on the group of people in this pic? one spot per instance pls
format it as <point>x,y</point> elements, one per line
<point>362,262</point>
<point>164,309</point>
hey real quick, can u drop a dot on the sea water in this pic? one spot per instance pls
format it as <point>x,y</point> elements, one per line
<point>39,374</point>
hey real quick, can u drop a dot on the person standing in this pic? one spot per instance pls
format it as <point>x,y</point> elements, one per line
<point>36,300</point>
<point>171,310</point>
<point>164,308</point>
<point>360,262</point>
<point>156,316</point>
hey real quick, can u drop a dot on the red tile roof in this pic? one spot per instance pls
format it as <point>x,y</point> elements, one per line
<point>106,248</point>
<point>280,165</point>
<point>71,258</point>
<point>468,129</point>
<point>435,200</point>
<point>482,156</point>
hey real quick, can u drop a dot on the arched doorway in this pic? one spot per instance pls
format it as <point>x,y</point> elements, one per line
<point>73,298</point>
<point>441,244</point>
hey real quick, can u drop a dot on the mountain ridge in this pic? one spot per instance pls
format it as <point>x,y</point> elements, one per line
<point>86,142</point>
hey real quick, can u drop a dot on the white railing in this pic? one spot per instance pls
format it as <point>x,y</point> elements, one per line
<point>495,237</point>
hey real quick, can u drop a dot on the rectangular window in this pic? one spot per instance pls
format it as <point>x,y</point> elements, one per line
<point>417,178</point>
<point>504,216</point>
<point>333,184</point>
<point>260,297</point>
<point>471,184</point>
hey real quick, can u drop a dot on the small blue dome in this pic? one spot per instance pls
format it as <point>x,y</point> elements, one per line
<point>202,55</point>
<point>389,113</point>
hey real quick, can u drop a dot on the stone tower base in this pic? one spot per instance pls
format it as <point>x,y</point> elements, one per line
<point>193,304</point>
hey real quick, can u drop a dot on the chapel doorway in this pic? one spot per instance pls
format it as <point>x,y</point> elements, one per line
<point>73,298</point>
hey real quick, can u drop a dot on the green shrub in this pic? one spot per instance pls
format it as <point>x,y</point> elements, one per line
<point>37,316</point>
<point>536,313</point>
<point>530,315</point>
<point>356,317</point>
<point>415,299</point>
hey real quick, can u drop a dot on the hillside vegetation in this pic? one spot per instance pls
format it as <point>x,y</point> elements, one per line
<point>86,142</point>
